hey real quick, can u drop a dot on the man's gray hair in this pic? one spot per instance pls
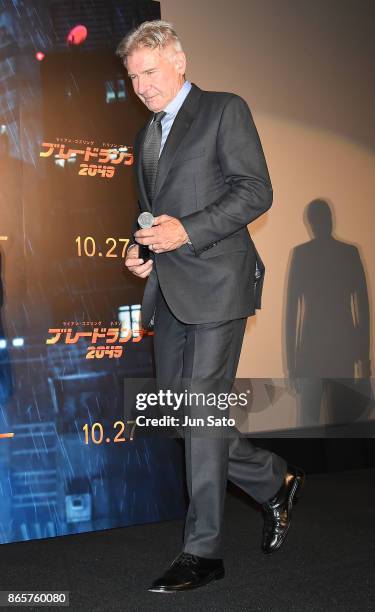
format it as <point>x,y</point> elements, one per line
<point>151,34</point>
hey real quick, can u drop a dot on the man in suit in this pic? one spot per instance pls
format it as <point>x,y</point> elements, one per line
<point>202,173</point>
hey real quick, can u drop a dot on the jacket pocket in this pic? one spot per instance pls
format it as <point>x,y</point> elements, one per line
<point>189,155</point>
<point>231,244</point>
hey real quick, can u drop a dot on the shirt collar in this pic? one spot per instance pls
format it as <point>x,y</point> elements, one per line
<point>174,105</point>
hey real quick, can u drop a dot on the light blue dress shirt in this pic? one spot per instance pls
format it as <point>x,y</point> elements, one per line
<point>171,111</point>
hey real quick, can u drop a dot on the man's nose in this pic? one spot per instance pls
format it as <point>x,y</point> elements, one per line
<point>142,85</point>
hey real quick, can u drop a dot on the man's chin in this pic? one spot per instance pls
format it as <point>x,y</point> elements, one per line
<point>153,106</point>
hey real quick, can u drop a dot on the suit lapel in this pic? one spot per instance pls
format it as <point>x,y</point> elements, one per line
<point>179,129</point>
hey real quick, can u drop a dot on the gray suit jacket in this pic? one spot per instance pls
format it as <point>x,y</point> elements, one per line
<point>212,175</point>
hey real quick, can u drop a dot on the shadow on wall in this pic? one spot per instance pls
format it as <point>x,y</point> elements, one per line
<point>327,325</point>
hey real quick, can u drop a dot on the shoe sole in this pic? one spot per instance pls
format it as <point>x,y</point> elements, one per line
<point>294,496</point>
<point>217,576</point>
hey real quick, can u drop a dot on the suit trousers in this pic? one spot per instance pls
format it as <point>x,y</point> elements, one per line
<point>205,357</point>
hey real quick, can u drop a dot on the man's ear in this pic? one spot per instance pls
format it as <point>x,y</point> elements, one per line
<point>180,62</point>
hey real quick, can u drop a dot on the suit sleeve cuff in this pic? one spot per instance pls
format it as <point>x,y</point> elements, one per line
<point>189,242</point>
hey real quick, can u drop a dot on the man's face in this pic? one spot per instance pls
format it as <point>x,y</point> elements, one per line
<point>157,75</point>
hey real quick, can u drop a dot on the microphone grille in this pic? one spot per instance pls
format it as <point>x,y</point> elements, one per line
<point>145,220</point>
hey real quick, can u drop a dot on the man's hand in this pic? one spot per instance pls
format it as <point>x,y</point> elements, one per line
<point>166,234</point>
<point>136,265</point>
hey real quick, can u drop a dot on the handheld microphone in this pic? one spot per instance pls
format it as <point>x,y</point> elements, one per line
<point>145,221</point>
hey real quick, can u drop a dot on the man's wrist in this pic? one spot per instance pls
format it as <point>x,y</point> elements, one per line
<point>187,237</point>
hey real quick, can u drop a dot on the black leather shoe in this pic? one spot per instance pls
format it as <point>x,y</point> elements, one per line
<point>278,510</point>
<point>188,572</point>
